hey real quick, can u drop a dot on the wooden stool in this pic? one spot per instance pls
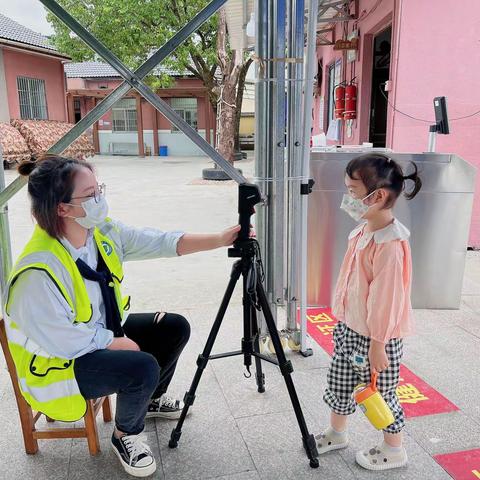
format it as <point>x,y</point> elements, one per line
<point>29,418</point>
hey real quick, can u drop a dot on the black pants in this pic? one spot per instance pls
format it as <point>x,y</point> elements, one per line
<point>136,377</point>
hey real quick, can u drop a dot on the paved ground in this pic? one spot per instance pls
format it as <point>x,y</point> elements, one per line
<point>235,433</point>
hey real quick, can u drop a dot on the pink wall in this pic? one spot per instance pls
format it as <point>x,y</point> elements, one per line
<point>75,83</point>
<point>368,24</point>
<point>18,63</point>
<point>445,60</point>
<point>434,52</point>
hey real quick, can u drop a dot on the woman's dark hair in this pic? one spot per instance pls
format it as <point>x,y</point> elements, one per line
<point>50,182</point>
<point>379,171</point>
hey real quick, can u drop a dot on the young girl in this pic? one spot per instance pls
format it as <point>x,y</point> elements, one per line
<point>372,305</point>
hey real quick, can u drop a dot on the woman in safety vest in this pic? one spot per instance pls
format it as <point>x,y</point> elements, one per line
<point>67,331</point>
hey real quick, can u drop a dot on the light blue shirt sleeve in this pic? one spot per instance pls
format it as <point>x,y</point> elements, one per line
<point>147,243</point>
<point>44,316</point>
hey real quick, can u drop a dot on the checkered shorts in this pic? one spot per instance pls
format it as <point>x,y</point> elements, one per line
<point>345,374</point>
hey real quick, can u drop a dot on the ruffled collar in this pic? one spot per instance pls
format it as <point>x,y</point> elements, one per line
<point>394,231</point>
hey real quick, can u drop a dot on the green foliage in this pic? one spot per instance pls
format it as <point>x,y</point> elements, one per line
<point>134,29</point>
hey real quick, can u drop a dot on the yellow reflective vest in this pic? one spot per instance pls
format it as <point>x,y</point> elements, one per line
<point>48,383</point>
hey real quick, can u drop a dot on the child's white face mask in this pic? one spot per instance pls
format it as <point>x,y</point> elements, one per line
<point>355,206</point>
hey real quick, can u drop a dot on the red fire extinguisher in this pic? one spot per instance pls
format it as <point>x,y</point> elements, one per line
<point>339,101</point>
<point>350,102</point>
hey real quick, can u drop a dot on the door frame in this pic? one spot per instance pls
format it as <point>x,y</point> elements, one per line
<point>367,74</point>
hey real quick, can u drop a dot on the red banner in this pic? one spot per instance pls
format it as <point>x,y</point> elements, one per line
<point>417,397</point>
<point>461,465</point>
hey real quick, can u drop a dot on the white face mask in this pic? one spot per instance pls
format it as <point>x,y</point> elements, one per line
<point>95,212</point>
<point>355,206</point>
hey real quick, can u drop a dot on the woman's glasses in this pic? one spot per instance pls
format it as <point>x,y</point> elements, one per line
<point>97,194</point>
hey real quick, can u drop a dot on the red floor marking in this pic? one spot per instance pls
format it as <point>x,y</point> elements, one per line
<point>416,396</point>
<point>461,465</point>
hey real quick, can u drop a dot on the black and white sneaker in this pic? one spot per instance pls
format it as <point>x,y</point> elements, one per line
<point>134,455</point>
<point>165,407</point>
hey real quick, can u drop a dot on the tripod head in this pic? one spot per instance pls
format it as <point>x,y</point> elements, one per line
<point>248,196</point>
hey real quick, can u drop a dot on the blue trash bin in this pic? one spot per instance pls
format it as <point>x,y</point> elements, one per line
<point>163,150</point>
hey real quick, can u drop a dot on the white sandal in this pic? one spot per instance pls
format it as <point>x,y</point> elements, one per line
<point>326,441</point>
<point>380,458</point>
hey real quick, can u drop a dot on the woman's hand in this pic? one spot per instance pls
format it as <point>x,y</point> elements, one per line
<point>200,242</point>
<point>378,357</point>
<point>228,236</point>
<point>123,343</point>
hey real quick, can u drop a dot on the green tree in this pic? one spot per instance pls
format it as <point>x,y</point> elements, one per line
<point>133,30</point>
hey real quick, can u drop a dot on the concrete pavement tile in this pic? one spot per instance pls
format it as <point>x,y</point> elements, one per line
<point>470,286</point>
<point>212,450</point>
<point>250,475</point>
<point>50,463</point>
<point>444,433</point>
<point>310,386</point>
<point>275,443</point>
<point>449,364</point>
<point>320,358</point>
<point>210,407</point>
<point>241,393</point>
<point>472,266</point>
<point>471,302</point>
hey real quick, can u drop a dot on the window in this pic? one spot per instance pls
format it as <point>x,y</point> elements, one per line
<point>319,77</point>
<point>32,98</point>
<point>187,109</point>
<point>331,94</point>
<point>334,79</point>
<point>77,110</point>
<point>124,116</point>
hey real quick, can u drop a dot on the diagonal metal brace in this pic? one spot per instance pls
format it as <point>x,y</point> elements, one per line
<point>104,106</point>
<point>143,89</point>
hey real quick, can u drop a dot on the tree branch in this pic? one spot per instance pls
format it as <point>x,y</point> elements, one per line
<point>195,72</point>
<point>176,9</point>
<point>222,54</point>
<point>202,37</point>
<point>213,69</point>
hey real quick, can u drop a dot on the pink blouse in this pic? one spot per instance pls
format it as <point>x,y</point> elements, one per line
<point>373,289</point>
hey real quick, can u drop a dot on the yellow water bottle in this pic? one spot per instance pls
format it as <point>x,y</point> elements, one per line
<point>373,404</point>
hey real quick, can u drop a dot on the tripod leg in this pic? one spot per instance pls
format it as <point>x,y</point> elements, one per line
<point>203,357</point>
<point>309,443</point>
<point>259,375</point>
<point>247,340</point>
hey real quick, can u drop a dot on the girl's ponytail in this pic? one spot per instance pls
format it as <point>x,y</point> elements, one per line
<point>416,180</point>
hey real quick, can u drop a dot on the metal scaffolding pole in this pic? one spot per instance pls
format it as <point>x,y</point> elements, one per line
<point>270,142</point>
<point>262,87</point>
<point>106,104</point>
<point>295,52</point>
<point>277,158</point>
<point>310,64</point>
<point>5,245</point>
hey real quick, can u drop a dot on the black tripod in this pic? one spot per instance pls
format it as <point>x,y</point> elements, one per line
<point>250,267</point>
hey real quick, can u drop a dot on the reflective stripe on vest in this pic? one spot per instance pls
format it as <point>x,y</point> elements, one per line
<point>16,336</point>
<point>47,382</point>
<point>51,392</point>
